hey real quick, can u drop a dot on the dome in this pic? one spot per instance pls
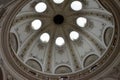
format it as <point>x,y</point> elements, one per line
<point>57,38</point>
<point>58,21</point>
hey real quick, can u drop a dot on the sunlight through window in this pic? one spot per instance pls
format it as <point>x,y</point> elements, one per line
<point>74,35</point>
<point>58,1</point>
<point>60,41</point>
<point>76,5</point>
<point>41,7</point>
<point>45,37</point>
<point>36,24</point>
<point>81,21</point>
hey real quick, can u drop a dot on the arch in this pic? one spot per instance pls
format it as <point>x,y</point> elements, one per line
<point>63,69</point>
<point>13,42</point>
<point>90,59</point>
<point>34,64</point>
<point>108,35</point>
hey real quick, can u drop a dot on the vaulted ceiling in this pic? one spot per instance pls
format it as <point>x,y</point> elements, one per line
<point>72,56</point>
<point>66,43</point>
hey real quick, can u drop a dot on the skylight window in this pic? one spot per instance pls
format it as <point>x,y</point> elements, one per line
<point>60,41</point>
<point>36,24</point>
<point>58,1</point>
<point>81,21</point>
<point>41,7</point>
<point>74,35</point>
<point>76,5</point>
<point>45,37</point>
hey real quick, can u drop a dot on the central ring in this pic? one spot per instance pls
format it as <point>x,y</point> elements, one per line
<point>58,19</point>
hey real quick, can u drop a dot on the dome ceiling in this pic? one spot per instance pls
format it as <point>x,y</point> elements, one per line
<point>58,37</point>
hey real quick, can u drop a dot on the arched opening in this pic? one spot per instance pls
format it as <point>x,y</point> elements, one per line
<point>34,64</point>
<point>108,35</point>
<point>14,42</point>
<point>63,70</point>
<point>90,59</point>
